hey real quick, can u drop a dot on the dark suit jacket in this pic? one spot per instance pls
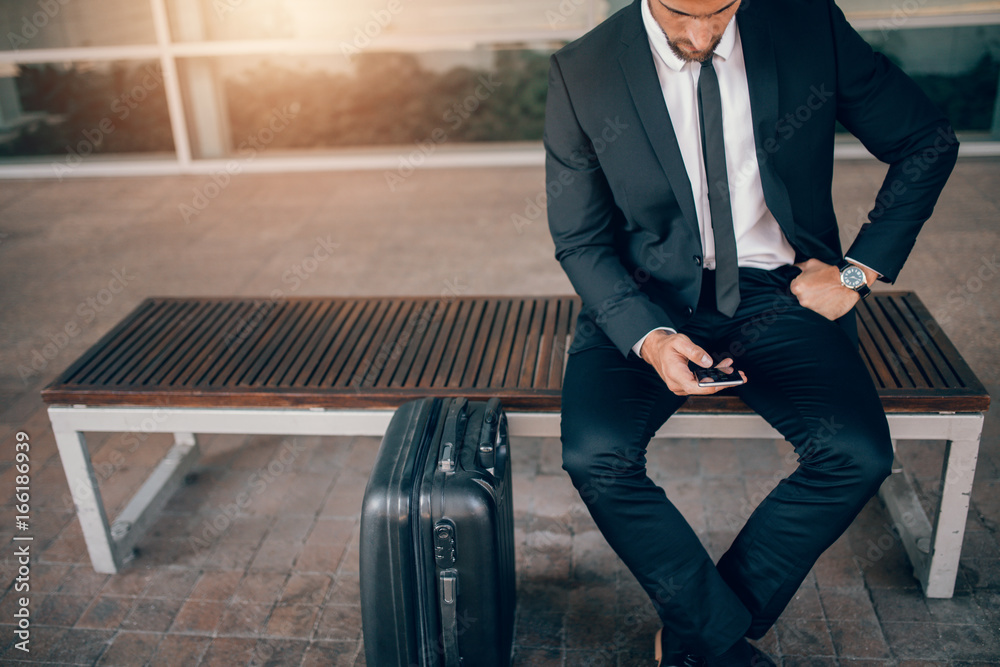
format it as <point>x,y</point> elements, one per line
<point>620,206</point>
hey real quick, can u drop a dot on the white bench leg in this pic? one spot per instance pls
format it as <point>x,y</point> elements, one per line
<point>87,498</point>
<point>111,546</point>
<point>957,475</point>
<point>147,502</point>
<point>934,551</point>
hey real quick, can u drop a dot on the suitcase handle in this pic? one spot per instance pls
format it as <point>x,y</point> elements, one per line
<point>492,450</point>
<point>448,601</point>
<point>451,437</point>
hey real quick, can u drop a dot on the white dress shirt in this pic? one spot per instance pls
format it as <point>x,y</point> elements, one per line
<point>760,243</point>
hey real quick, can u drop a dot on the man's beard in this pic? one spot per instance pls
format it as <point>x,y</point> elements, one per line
<point>687,56</point>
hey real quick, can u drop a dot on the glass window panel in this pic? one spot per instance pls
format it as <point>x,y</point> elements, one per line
<point>957,67</point>
<point>895,12</point>
<point>78,110</point>
<point>274,104</point>
<point>50,24</point>
<point>366,21</point>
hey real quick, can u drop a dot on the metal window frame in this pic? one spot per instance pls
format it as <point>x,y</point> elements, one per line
<point>168,52</point>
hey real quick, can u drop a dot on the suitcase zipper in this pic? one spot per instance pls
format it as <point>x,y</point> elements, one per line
<point>418,538</point>
<point>445,556</point>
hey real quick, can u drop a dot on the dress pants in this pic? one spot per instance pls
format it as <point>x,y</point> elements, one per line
<point>806,378</point>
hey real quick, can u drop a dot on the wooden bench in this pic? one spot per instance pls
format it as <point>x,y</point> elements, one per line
<point>340,366</point>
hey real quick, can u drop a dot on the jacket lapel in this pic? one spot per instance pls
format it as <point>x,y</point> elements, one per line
<point>636,61</point>
<point>762,80</point>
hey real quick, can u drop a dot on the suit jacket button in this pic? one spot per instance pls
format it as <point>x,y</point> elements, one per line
<point>690,311</point>
<point>697,260</point>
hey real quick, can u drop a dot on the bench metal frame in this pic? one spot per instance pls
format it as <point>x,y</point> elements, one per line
<point>933,548</point>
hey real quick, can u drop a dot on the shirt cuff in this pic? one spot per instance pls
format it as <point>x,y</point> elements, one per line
<point>638,346</point>
<point>854,261</point>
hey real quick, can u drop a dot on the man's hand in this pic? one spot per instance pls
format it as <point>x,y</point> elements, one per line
<point>818,288</point>
<point>669,354</point>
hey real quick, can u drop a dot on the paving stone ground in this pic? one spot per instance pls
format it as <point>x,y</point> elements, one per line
<point>277,583</point>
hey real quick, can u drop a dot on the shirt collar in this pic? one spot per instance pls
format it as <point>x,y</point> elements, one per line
<point>658,41</point>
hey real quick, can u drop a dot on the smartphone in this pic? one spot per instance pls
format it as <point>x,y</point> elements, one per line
<point>714,377</point>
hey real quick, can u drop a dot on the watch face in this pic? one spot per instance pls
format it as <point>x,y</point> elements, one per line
<point>852,277</point>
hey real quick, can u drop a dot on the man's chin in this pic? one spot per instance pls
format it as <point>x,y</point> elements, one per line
<point>690,55</point>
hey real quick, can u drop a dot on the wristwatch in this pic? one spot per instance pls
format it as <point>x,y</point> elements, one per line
<point>853,278</point>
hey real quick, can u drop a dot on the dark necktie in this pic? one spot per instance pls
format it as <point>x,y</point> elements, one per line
<point>727,277</point>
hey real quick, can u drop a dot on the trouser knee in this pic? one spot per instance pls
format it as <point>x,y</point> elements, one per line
<point>595,465</point>
<point>876,466</point>
<point>861,462</point>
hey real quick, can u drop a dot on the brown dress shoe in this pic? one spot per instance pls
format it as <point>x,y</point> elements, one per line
<point>687,660</point>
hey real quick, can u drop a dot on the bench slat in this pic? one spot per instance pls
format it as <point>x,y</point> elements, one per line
<point>109,343</point>
<point>120,355</point>
<point>924,346</point>
<point>873,358</point>
<point>295,357</point>
<point>160,354</point>
<point>356,347</point>
<point>441,342</point>
<point>356,370</point>
<point>909,373</point>
<point>529,357</point>
<point>564,329</point>
<point>146,354</point>
<point>460,365</point>
<point>205,335</point>
<point>268,349</point>
<point>506,344</point>
<point>921,354</point>
<point>334,342</point>
<point>383,348</point>
<point>420,326</point>
<point>473,363</point>
<point>381,352</point>
<point>435,339</point>
<point>449,352</point>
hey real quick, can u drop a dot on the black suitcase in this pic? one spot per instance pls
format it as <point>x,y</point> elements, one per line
<point>437,539</point>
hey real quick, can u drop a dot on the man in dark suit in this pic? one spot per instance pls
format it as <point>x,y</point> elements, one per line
<point>689,163</point>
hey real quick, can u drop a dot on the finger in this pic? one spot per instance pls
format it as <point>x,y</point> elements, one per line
<point>681,380</point>
<point>694,353</point>
<point>725,363</point>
